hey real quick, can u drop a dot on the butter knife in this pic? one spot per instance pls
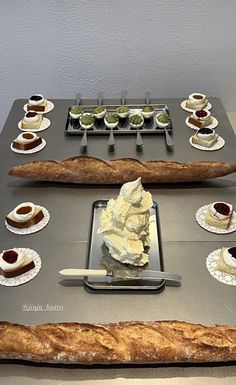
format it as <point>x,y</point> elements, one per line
<point>110,275</point>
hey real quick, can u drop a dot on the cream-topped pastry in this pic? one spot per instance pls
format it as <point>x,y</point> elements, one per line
<point>124,224</point>
<point>26,141</point>
<point>31,120</point>
<point>227,260</point>
<point>219,214</point>
<point>196,101</point>
<point>24,215</point>
<point>24,211</point>
<point>205,137</point>
<point>37,102</point>
<point>14,263</point>
<point>200,118</point>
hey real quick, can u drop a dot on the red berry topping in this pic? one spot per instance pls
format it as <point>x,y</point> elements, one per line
<point>232,251</point>
<point>201,113</point>
<point>222,208</point>
<point>10,256</point>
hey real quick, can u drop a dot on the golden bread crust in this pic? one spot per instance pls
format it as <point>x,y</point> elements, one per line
<point>131,342</point>
<point>88,170</point>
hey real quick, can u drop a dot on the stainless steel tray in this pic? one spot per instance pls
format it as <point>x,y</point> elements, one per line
<point>99,258</point>
<point>149,127</point>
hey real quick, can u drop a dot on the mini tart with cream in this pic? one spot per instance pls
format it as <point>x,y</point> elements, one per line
<point>200,118</point>
<point>75,112</point>
<point>99,112</point>
<point>14,263</point>
<point>205,137</point>
<point>31,120</point>
<point>196,101</point>
<point>26,141</point>
<point>219,214</point>
<point>36,103</point>
<point>24,216</point>
<point>227,260</point>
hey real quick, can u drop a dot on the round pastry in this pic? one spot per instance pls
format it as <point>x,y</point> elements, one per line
<point>196,101</point>
<point>122,111</point>
<point>26,141</point>
<point>87,120</point>
<point>24,216</point>
<point>227,260</point>
<point>99,112</point>
<point>14,263</point>
<point>31,116</point>
<point>31,120</point>
<point>36,103</point>
<point>219,214</point>
<point>163,119</point>
<point>36,99</point>
<point>136,120</point>
<point>147,112</point>
<point>111,120</point>
<point>24,211</point>
<point>200,118</point>
<point>75,112</point>
<point>205,137</point>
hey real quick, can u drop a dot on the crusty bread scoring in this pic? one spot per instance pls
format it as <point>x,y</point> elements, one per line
<point>88,170</point>
<point>125,342</point>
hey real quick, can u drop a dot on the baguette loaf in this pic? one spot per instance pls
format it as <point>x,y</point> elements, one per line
<point>125,342</point>
<point>88,170</point>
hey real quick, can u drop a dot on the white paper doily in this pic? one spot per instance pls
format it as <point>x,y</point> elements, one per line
<point>23,278</point>
<point>49,107</point>
<point>32,151</point>
<point>200,218</point>
<point>217,146</point>
<point>43,126</point>
<point>211,263</point>
<point>33,228</point>
<point>183,105</point>
<point>213,125</point>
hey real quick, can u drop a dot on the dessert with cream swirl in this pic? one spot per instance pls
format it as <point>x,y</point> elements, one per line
<point>200,118</point>
<point>196,101</point>
<point>14,262</point>
<point>36,103</point>
<point>205,137</point>
<point>219,214</point>
<point>26,141</point>
<point>124,224</point>
<point>31,120</point>
<point>227,260</point>
<point>24,215</point>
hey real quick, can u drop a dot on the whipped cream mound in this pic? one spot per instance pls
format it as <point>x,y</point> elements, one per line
<point>124,224</point>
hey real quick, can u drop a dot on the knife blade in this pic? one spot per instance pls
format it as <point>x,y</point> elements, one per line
<point>110,275</point>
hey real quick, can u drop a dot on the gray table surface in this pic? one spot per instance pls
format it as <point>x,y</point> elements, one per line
<point>63,243</point>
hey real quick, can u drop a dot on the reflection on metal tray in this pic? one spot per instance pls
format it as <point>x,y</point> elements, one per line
<point>99,128</point>
<point>99,258</point>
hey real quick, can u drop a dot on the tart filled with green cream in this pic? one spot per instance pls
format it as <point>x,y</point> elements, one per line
<point>87,120</point>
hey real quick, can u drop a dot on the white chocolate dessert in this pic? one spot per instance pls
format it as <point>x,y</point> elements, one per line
<point>219,214</point>
<point>14,262</point>
<point>31,120</point>
<point>24,215</point>
<point>26,141</point>
<point>200,118</point>
<point>205,137</point>
<point>196,101</point>
<point>37,102</point>
<point>227,261</point>
<point>124,224</point>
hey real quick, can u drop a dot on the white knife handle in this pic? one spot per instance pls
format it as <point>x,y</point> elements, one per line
<point>83,273</point>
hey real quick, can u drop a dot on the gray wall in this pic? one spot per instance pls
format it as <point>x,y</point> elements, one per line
<point>169,47</point>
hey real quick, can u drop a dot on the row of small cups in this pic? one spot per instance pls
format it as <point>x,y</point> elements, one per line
<point>111,120</point>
